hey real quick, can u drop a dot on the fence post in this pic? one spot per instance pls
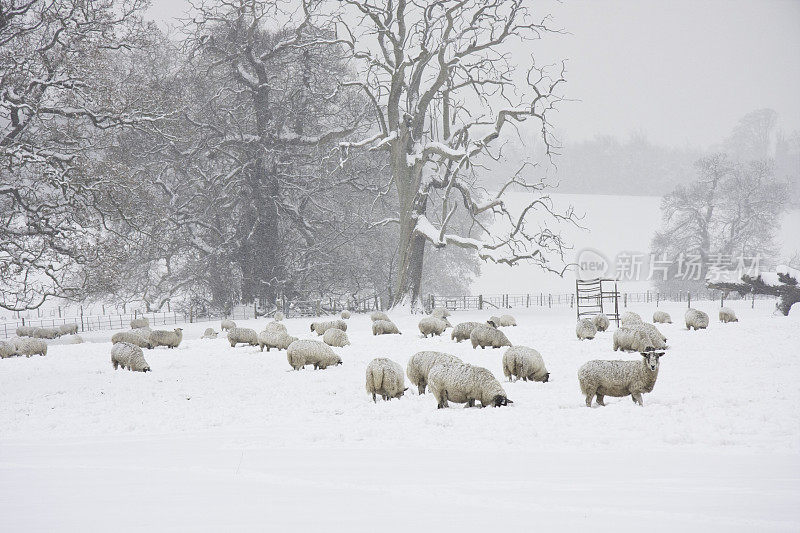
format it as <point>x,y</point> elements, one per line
<point>550,300</point>
<point>82,328</point>
<point>571,301</point>
<point>480,302</point>
<point>689,298</point>
<point>753,302</point>
<point>625,299</point>
<point>722,299</point>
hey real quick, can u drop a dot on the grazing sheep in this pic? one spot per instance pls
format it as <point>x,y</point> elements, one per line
<point>227,325</point>
<point>209,333</point>
<point>585,329</point>
<point>463,330</point>
<point>345,314</point>
<point>25,331</point>
<point>275,339</point>
<point>75,339</point>
<point>485,335</point>
<point>275,327</point>
<point>128,356</point>
<point>68,329</point>
<point>137,337</point>
<point>696,319</point>
<point>321,327</point>
<point>526,363</point>
<point>658,338</point>
<point>335,337</point>
<point>29,346</point>
<point>242,336</point>
<point>384,327</point>
<point>635,339</point>
<point>7,349</point>
<point>170,339</point>
<point>140,322</point>
<point>726,314</point>
<point>600,322</point>
<point>278,316</point>
<point>421,363</point>
<point>431,325</point>
<point>463,383</point>
<point>379,315</point>
<point>662,317</point>
<point>629,318</point>
<point>619,378</point>
<point>307,352</point>
<point>503,321</point>
<point>46,333</point>
<point>440,312</point>
<point>385,377</point>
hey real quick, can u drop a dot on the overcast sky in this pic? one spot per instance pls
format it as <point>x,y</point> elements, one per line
<point>682,72</point>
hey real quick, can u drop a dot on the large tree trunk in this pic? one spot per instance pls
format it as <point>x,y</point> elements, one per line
<point>411,250</point>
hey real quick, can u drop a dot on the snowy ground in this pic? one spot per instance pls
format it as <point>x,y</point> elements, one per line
<point>217,437</point>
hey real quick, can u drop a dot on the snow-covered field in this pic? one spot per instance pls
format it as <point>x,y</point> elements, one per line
<point>218,438</point>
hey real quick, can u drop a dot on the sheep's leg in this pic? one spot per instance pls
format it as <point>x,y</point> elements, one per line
<point>589,397</point>
<point>421,388</point>
<point>374,399</point>
<point>600,400</point>
<point>115,364</point>
<point>637,397</point>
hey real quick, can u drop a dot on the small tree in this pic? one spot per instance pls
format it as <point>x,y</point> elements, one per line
<point>782,283</point>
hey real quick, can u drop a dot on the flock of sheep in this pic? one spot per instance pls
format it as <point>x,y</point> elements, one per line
<point>446,376</point>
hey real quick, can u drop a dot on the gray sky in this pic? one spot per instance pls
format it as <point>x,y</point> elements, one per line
<point>682,72</point>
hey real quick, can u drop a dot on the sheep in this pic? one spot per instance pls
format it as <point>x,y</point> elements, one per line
<point>503,321</point>
<point>726,314</point>
<point>585,329</point>
<point>276,339</point>
<point>385,327</point>
<point>29,346</point>
<point>463,330</point>
<point>140,322</point>
<point>278,316</point>
<point>170,339</point>
<point>128,356</point>
<point>431,325</point>
<point>227,325</point>
<point>630,318</point>
<point>485,335</point>
<point>345,314</point>
<point>68,329</point>
<point>75,339</point>
<point>136,337</point>
<point>335,337</point>
<point>242,336</point>
<point>385,377</point>
<point>662,317</point>
<point>25,331</point>
<point>463,383</point>
<point>637,338</point>
<point>379,315</point>
<point>658,338</point>
<point>46,333</point>
<point>696,319</point>
<point>308,352</point>
<point>440,312</point>
<point>619,378</point>
<point>600,322</point>
<point>526,363</point>
<point>321,327</point>
<point>7,349</point>
<point>209,333</point>
<point>275,327</point>
<point>420,364</point>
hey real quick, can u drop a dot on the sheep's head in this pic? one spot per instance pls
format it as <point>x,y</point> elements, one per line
<point>312,327</point>
<point>500,400</point>
<point>545,379</point>
<point>651,359</point>
<point>400,394</point>
<point>492,323</point>
<point>146,369</point>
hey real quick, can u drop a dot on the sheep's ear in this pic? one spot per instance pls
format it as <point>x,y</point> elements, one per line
<point>405,389</point>
<point>659,354</point>
<point>644,354</point>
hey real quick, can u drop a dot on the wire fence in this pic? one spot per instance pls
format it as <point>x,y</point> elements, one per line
<point>322,306</point>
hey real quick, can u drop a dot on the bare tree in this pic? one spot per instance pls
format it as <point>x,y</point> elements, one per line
<point>443,91</point>
<point>60,63</point>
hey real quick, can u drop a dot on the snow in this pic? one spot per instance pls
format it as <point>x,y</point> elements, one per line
<point>217,437</point>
